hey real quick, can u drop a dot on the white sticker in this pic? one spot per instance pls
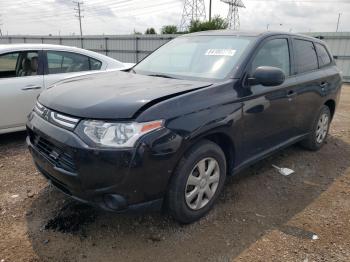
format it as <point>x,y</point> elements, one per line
<point>220,52</point>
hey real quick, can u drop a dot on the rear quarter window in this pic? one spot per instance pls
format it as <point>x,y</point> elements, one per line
<point>322,54</point>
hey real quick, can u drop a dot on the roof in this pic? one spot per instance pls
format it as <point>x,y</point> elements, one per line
<point>23,47</point>
<point>36,46</point>
<point>259,34</point>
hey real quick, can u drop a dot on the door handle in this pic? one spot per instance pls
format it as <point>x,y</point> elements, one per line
<point>291,94</point>
<point>324,85</point>
<point>31,87</point>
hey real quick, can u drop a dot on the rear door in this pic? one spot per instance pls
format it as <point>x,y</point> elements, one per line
<point>331,74</point>
<point>21,81</point>
<point>269,117</point>
<point>62,64</point>
<point>311,83</point>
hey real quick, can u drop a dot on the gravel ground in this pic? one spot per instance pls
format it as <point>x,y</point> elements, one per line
<point>261,216</point>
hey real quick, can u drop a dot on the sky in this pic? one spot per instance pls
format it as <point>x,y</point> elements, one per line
<point>43,17</point>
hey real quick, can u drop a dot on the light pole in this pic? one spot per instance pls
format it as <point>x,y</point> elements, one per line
<point>338,21</point>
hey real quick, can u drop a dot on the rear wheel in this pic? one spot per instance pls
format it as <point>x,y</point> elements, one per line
<point>197,182</point>
<point>319,132</point>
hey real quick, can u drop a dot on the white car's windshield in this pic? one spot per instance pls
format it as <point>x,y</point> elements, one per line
<point>211,57</point>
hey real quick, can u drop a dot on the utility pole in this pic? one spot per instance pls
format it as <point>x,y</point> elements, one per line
<point>338,21</point>
<point>0,26</point>
<point>79,11</point>
<point>209,10</point>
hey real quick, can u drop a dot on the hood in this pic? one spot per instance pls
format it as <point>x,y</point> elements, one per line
<point>112,95</point>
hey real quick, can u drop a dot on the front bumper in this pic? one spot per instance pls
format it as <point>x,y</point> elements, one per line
<point>113,179</point>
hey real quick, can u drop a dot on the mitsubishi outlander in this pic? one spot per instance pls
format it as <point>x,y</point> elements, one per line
<point>200,108</point>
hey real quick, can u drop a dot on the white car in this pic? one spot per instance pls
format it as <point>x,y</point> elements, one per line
<point>27,69</point>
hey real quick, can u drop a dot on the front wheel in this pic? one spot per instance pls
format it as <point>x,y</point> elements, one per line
<point>197,182</point>
<point>319,132</point>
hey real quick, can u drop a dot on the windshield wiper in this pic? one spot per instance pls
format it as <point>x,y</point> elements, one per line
<point>161,75</point>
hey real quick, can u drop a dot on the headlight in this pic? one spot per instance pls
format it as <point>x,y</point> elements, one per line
<point>117,134</point>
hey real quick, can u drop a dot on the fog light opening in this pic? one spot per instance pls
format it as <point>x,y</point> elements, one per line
<point>114,202</point>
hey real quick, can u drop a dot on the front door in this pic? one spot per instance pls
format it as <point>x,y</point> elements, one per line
<point>269,112</point>
<point>21,81</point>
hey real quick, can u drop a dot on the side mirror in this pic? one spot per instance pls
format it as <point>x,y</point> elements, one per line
<point>267,76</point>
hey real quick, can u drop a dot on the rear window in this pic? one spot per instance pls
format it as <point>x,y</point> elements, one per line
<point>323,56</point>
<point>305,54</point>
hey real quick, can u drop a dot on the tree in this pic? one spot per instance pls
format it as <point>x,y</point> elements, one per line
<point>150,31</point>
<point>169,29</point>
<point>215,24</point>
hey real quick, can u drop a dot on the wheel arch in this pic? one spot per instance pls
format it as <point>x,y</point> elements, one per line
<point>227,146</point>
<point>331,105</point>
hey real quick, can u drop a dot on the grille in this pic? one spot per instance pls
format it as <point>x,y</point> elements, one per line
<point>55,118</point>
<point>54,154</point>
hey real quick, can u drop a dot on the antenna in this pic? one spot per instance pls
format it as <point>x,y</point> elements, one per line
<point>193,10</point>
<point>79,11</point>
<point>233,16</point>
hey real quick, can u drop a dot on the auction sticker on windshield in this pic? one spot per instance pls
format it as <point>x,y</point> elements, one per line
<point>220,52</point>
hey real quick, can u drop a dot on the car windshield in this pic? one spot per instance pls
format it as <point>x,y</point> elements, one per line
<point>211,57</point>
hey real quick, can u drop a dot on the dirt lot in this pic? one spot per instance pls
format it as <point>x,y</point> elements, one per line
<point>262,216</point>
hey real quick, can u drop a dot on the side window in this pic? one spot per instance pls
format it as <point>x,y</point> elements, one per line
<point>273,53</point>
<point>67,62</point>
<point>95,64</point>
<point>305,54</point>
<point>8,64</point>
<point>19,64</point>
<point>322,54</point>
<point>30,64</point>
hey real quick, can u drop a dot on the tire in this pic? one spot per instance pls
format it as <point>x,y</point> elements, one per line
<point>315,141</point>
<point>192,178</point>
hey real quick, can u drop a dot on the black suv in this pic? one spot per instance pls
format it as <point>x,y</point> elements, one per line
<point>167,133</point>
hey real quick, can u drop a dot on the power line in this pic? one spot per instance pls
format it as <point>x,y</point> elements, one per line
<point>66,14</point>
<point>69,15</point>
<point>126,4</point>
<point>134,5</point>
<point>303,1</point>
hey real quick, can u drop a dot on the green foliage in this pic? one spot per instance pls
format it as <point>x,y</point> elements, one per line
<point>216,23</point>
<point>169,29</point>
<point>150,31</point>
